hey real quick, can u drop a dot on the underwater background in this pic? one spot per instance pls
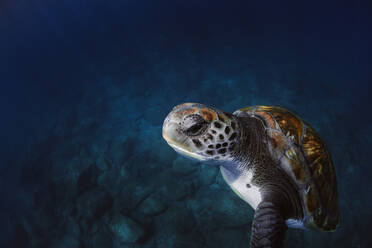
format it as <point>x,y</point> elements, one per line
<point>86,85</point>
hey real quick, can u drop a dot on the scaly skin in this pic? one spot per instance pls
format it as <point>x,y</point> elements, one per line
<point>268,228</point>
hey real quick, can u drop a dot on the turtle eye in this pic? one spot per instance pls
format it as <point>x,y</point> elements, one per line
<point>194,125</point>
<point>194,129</point>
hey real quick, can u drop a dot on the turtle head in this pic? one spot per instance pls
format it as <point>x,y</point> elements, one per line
<point>202,133</point>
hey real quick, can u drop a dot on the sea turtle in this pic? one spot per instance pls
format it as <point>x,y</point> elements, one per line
<point>270,158</point>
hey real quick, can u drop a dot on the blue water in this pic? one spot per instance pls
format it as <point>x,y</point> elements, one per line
<point>86,86</point>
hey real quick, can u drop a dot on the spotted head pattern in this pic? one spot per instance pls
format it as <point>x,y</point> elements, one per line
<point>204,133</point>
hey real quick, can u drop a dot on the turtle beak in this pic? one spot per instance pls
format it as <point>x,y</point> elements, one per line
<point>177,140</point>
<point>171,130</point>
<point>171,133</point>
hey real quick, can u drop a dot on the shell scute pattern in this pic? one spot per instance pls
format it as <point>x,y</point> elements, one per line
<point>297,163</point>
<point>322,169</point>
<point>279,145</point>
<point>304,157</point>
<point>289,123</point>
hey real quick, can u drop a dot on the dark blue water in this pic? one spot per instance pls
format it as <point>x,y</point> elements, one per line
<point>86,86</point>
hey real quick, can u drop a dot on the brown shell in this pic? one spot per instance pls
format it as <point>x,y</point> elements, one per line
<point>304,157</point>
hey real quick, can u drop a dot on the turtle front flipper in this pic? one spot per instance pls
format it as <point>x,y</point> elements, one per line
<point>268,228</point>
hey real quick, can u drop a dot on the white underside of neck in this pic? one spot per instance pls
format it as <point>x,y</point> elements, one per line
<point>242,186</point>
<point>252,194</point>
